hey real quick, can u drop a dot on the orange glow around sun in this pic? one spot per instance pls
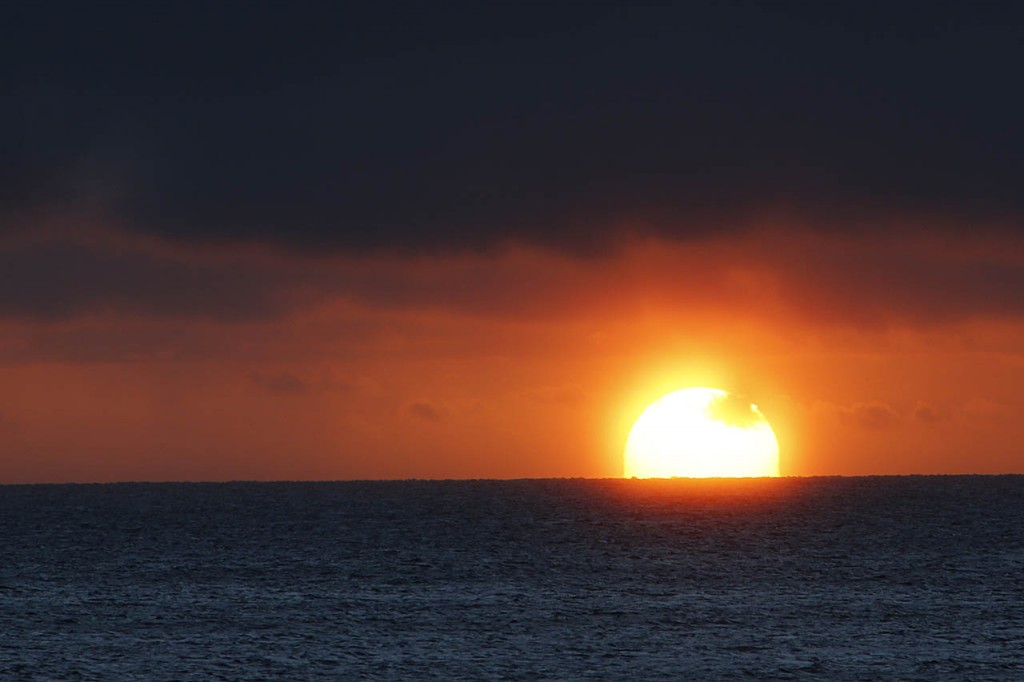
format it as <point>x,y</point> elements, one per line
<point>701,433</point>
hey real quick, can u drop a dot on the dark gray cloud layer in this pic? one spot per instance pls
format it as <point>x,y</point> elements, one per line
<point>417,126</point>
<point>825,279</point>
<point>51,281</point>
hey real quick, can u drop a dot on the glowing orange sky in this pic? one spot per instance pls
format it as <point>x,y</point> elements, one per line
<point>512,362</point>
<point>356,240</point>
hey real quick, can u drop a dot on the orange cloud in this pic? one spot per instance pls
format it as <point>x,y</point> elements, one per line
<point>123,357</point>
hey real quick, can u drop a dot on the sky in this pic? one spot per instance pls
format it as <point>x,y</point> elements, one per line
<point>356,240</point>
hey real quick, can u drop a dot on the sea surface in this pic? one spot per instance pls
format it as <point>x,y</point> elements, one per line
<point>814,578</point>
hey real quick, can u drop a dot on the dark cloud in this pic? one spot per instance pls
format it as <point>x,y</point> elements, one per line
<point>873,283</point>
<point>52,278</point>
<point>735,410</point>
<point>928,414</point>
<point>287,383</point>
<point>284,383</point>
<point>55,280</point>
<point>874,415</point>
<point>411,126</point>
<point>426,411</point>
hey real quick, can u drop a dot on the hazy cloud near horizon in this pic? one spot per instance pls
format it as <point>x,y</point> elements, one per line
<point>816,279</point>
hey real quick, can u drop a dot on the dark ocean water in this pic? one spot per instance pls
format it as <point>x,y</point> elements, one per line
<point>827,578</point>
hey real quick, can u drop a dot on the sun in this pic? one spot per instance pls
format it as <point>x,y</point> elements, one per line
<point>701,433</point>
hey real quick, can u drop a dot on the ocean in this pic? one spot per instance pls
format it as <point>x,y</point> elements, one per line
<point>917,577</point>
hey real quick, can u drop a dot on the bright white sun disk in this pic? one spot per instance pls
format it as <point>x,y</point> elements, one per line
<point>700,433</point>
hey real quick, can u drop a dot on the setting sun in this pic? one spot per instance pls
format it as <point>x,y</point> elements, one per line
<point>701,433</point>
